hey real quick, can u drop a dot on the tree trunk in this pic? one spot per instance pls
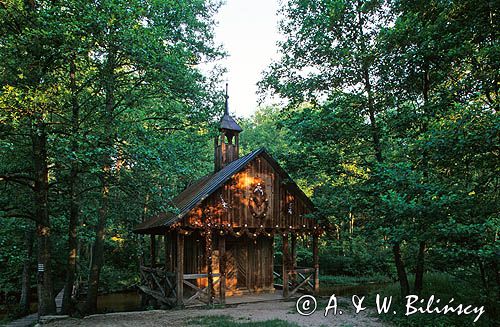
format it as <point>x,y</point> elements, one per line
<point>371,113</point>
<point>97,258</point>
<point>365,70</point>
<point>73,199</point>
<point>46,302</point>
<point>24,302</point>
<point>316,263</point>
<point>400,267</point>
<point>496,273</point>
<point>419,272</point>
<point>376,142</point>
<point>98,248</point>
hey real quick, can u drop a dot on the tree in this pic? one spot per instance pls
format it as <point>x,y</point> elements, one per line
<point>331,48</point>
<point>369,85</point>
<point>79,81</point>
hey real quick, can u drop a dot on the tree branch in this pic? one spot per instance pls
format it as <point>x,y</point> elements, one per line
<point>19,179</point>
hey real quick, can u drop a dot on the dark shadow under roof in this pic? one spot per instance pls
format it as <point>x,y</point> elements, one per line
<point>205,186</point>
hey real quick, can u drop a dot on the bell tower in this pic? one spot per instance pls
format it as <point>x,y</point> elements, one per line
<point>227,141</point>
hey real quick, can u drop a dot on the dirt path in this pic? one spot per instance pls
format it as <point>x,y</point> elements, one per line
<point>242,313</point>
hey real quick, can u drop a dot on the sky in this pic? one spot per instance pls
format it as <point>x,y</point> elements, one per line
<point>248,31</point>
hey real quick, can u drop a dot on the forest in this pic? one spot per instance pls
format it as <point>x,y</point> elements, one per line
<point>388,119</point>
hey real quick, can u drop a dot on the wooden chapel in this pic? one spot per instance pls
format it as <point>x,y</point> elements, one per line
<point>220,240</point>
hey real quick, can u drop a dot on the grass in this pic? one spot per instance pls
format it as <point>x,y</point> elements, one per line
<point>226,321</point>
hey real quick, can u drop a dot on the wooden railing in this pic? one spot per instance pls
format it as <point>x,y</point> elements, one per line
<point>299,279</point>
<point>161,285</point>
<point>201,294</point>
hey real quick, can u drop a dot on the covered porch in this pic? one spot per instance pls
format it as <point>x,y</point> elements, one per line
<point>211,275</point>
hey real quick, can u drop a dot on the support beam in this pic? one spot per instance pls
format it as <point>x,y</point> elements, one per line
<point>180,269</point>
<point>316,264</point>
<point>286,260</point>
<point>152,250</point>
<point>208,256</point>
<point>167,243</point>
<point>293,263</point>
<point>222,269</point>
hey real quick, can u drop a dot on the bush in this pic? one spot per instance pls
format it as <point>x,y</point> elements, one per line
<point>443,286</point>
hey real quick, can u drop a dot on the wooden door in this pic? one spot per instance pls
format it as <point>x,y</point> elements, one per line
<point>236,265</point>
<point>231,269</point>
<point>242,265</point>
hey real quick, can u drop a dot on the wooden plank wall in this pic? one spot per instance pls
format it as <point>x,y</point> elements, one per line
<point>251,262</point>
<point>236,193</point>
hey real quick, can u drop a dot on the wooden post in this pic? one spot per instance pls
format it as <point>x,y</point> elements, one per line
<point>285,265</point>
<point>167,243</point>
<point>152,249</point>
<point>222,269</point>
<point>180,269</point>
<point>316,264</point>
<point>208,256</point>
<point>293,263</point>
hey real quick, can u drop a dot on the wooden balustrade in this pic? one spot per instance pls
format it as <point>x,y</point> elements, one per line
<point>202,294</point>
<point>161,285</point>
<point>300,279</point>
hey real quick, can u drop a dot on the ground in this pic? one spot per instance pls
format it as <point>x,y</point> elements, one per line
<point>251,314</point>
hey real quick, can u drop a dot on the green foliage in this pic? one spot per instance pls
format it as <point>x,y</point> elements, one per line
<point>103,84</point>
<point>392,125</point>
<point>443,287</point>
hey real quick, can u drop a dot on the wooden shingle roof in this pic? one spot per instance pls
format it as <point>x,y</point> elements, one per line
<point>194,194</point>
<point>227,122</point>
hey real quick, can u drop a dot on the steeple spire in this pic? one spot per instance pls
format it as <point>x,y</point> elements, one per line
<point>226,108</point>
<point>227,142</point>
<point>227,122</point>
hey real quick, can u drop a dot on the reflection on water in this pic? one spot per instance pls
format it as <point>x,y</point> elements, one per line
<point>113,302</point>
<point>347,290</point>
<point>119,302</point>
<point>131,300</point>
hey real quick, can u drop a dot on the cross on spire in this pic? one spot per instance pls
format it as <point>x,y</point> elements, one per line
<point>226,108</point>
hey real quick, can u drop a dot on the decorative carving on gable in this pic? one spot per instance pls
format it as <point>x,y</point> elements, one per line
<point>223,202</point>
<point>258,202</point>
<point>289,206</point>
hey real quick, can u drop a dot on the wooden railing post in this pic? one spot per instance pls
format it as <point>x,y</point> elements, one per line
<point>285,265</point>
<point>180,269</point>
<point>222,269</point>
<point>316,264</point>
